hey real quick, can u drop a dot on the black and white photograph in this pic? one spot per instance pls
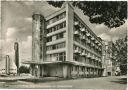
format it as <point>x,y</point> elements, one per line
<point>63,44</point>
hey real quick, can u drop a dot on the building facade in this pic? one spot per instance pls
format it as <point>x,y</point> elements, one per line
<point>109,61</point>
<point>64,46</point>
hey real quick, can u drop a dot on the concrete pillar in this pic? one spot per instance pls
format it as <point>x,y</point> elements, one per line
<point>69,32</point>
<point>66,71</point>
<point>41,71</point>
<point>31,69</point>
<point>38,71</point>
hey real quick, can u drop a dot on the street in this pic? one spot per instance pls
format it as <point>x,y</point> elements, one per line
<point>111,82</point>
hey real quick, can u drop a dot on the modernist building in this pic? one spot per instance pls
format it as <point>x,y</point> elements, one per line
<point>64,46</point>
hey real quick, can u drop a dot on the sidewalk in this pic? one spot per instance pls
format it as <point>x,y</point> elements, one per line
<point>44,79</point>
<point>13,78</point>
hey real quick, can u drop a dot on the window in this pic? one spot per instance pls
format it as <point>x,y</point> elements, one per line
<point>56,46</point>
<point>54,38</point>
<point>57,56</point>
<point>60,35</point>
<point>56,18</point>
<point>53,47</point>
<point>49,39</point>
<point>57,27</point>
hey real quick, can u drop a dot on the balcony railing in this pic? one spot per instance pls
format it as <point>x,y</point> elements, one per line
<point>99,44</point>
<point>92,38</point>
<point>96,42</point>
<point>88,34</point>
<point>88,41</point>
<point>76,24</point>
<point>93,57</point>
<point>96,58</point>
<point>83,38</point>
<point>77,51</point>
<point>76,33</point>
<point>83,29</point>
<point>88,56</point>
<point>99,59</point>
<point>83,53</point>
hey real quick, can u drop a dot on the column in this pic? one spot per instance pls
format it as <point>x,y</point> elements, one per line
<point>38,37</point>
<point>38,71</point>
<point>66,71</point>
<point>69,32</point>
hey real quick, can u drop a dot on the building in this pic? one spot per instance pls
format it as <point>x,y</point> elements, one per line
<point>7,66</point>
<point>108,59</point>
<point>104,57</point>
<point>64,46</point>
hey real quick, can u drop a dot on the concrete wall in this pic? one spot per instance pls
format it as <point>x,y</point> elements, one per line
<point>38,37</point>
<point>69,32</point>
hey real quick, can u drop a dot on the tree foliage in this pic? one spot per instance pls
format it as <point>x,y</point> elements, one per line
<point>120,52</point>
<point>112,13</point>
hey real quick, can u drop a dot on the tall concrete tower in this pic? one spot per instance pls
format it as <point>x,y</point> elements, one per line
<point>16,48</point>
<point>38,38</point>
<point>7,63</point>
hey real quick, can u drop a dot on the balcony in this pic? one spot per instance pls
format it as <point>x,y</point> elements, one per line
<point>83,54</point>
<point>76,33</point>
<point>88,41</point>
<point>99,60</point>
<point>76,51</point>
<point>88,56</point>
<point>93,57</point>
<point>99,44</point>
<point>99,49</point>
<point>76,24</point>
<point>93,45</point>
<point>83,38</point>
<point>92,38</point>
<point>96,42</point>
<point>96,58</point>
<point>82,30</point>
<point>88,34</point>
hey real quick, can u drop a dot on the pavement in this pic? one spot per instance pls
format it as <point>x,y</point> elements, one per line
<point>111,82</point>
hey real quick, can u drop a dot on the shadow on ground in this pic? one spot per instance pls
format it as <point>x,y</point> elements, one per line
<point>121,81</point>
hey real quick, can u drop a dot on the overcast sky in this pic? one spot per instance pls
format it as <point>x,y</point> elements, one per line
<point>17,26</point>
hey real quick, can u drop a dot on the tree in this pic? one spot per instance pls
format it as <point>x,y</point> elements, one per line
<point>120,52</point>
<point>23,69</point>
<point>112,13</point>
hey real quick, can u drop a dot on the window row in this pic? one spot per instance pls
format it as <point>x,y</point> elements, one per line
<point>57,27</point>
<point>56,36</point>
<point>56,46</point>
<point>56,57</point>
<point>56,18</point>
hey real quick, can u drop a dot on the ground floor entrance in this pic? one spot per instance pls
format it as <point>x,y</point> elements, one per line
<point>64,71</point>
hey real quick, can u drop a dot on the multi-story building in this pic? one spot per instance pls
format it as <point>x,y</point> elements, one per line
<point>64,46</point>
<point>104,57</point>
<point>109,61</point>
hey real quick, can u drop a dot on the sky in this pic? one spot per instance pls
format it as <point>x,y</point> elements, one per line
<point>17,26</point>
